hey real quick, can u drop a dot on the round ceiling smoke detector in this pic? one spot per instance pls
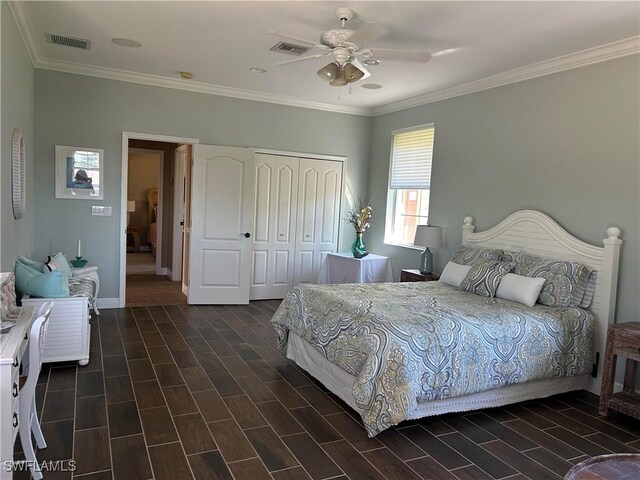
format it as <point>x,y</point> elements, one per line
<point>372,86</point>
<point>126,42</point>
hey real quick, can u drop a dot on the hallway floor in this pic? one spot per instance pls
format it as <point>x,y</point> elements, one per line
<point>151,289</point>
<point>140,262</point>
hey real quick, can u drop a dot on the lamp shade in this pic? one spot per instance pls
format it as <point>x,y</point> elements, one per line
<point>428,236</point>
<point>131,205</point>
<point>339,76</point>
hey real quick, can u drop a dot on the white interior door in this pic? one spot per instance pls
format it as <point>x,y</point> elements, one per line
<point>274,242</point>
<point>222,205</point>
<point>318,218</point>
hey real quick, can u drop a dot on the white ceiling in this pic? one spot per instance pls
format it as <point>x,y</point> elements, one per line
<point>495,42</point>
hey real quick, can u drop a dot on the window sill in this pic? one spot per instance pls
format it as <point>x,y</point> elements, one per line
<point>404,245</point>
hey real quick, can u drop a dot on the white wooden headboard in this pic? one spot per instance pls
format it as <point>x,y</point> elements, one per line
<point>536,233</point>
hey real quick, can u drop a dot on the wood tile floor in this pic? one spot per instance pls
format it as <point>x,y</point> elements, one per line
<point>180,392</point>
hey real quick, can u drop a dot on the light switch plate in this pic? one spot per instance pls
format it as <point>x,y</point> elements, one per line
<point>100,210</point>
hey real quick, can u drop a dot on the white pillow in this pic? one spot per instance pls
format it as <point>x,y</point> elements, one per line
<point>521,289</point>
<point>57,262</point>
<point>454,273</point>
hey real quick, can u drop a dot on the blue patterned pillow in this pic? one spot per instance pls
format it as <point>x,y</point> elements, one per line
<point>468,255</point>
<point>485,276</point>
<point>508,256</point>
<point>566,282</point>
<point>589,290</point>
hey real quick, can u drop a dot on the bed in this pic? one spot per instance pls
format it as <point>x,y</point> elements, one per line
<point>402,351</point>
<point>152,215</point>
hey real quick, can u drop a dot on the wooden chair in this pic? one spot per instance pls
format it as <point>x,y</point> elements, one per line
<point>28,416</point>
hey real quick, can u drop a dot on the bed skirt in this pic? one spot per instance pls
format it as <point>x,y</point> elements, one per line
<point>340,383</point>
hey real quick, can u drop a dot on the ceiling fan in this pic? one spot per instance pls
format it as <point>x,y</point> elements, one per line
<point>349,56</point>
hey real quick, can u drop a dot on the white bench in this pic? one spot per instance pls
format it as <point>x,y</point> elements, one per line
<point>69,331</point>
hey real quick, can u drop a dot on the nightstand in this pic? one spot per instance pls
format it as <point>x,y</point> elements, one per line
<point>623,339</point>
<point>414,275</point>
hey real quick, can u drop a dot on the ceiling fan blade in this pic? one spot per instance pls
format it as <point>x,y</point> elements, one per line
<point>300,59</point>
<point>413,56</point>
<point>296,39</point>
<point>368,33</point>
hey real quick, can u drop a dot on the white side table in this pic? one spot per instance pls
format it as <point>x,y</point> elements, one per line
<point>90,272</point>
<point>343,268</point>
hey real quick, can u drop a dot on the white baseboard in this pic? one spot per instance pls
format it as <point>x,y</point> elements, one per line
<point>108,302</point>
<point>168,273</point>
<point>617,387</point>
<point>163,271</point>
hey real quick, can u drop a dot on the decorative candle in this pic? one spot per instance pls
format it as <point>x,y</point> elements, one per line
<point>79,255</point>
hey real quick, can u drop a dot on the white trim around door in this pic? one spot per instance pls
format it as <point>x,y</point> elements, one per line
<point>126,136</point>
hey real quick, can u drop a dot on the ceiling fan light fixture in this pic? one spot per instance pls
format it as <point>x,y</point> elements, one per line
<point>352,73</point>
<point>329,72</point>
<point>339,76</point>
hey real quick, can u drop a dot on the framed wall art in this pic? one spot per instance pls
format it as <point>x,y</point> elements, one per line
<point>18,173</point>
<point>79,173</point>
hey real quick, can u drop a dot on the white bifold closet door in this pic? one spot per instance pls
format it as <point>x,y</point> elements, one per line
<point>319,194</point>
<point>297,217</point>
<point>275,225</point>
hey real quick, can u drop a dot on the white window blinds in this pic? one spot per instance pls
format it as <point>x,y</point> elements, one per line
<point>411,159</point>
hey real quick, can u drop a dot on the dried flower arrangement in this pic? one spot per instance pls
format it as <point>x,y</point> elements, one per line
<point>360,217</point>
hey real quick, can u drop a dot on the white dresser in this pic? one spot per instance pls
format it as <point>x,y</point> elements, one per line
<point>12,347</point>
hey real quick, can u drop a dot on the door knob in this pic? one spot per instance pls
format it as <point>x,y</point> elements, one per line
<point>246,235</point>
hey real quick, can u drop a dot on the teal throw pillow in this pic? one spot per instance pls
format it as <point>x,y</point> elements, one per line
<point>44,285</point>
<point>31,263</point>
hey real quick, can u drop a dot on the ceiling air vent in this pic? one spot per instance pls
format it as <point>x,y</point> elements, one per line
<point>68,41</point>
<point>290,48</point>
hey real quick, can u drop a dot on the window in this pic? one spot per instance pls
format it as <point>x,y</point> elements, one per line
<point>409,183</point>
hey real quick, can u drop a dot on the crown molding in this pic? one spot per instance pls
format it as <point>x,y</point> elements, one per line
<point>602,53</point>
<point>610,51</point>
<point>190,85</point>
<point>25,29</point>
<point>26,32</point>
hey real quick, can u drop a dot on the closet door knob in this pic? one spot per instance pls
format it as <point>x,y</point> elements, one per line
<point>246,235</point>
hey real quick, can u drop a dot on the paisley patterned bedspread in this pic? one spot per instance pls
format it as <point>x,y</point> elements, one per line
<point>410,342</point>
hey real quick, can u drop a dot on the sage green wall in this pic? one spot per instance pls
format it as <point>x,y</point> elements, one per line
<point>17,112</point>
<point>85,111</point>
<point>566,144</point>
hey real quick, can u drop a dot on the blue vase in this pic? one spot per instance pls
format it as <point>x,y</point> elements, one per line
<point>358,248</point>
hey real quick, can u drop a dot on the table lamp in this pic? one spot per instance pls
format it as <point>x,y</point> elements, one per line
<point>131,207</point>
<point>427,236</point>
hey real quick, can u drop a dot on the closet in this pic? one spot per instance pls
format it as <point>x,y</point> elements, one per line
<point>297,218</point>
